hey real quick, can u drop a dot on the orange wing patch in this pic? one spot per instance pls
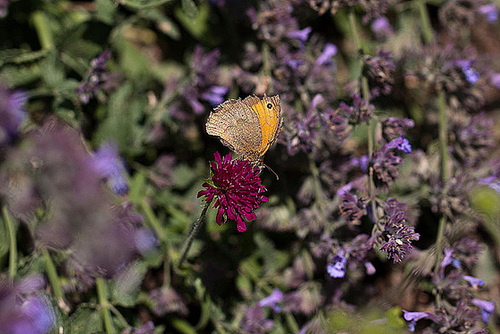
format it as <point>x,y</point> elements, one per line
<point>269,112</point>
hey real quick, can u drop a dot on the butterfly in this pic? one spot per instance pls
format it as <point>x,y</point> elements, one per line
<point>248,127</point>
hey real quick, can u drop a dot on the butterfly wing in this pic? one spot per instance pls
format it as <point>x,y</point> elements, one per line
<point>268,110</point>
<point>237,126</point>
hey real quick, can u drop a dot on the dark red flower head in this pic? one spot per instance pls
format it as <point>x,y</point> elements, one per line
<point>236,186</point>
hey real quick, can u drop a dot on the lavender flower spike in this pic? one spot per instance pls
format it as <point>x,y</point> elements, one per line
<point>471,74</point>
<point>490,12</point>
<point>336,269</point>
<point>329,51</point>
<point>11,113</point>
<point>272,300</point>
<point>110,166</point>
<point>301,35</point>
<point>487,308</point>
<point>413,317</point>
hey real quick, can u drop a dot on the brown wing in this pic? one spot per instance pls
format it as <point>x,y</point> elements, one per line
<point>268,110</point>
<point>237,126</point>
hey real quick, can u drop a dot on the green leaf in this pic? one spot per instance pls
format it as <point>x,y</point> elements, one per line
<point>4,240</point>
<point>197,26</point>
<point>137,184</point>
<point>19,76</point>
<point>126,285</point>
<point>52,71</point>
<point>183,326</point>
<point>394,319</point>
<point>164,24</point>
<point>183,176</point>
<point>106,11</point>
<point>206,303</point>
<point>142,4</point>
<point>133,62</point>
<point>190,8</point>
<point>120,121</point>
<point>19,56</point>
<point>84,321</point>
<point>244,286</point>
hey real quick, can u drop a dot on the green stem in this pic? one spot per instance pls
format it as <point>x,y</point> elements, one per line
<point>120,317</point>
<point>292,323</point>
<point>43,30</point>
<point>55,283</point>
<point>443,135</point>
<point>443,132</point>
<point>316,183</point>
<point>443,153</point>
<point>151,218</point>
<point>12,244</point>
<point>102,295</point>
<point>194,231</point>
<point>425,21</point>
<point>353,25</point>
<point>365,91</point>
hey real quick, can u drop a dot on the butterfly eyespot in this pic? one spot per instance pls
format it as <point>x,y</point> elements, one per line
<point>269,106</point>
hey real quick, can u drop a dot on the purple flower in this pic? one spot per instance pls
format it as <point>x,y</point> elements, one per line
<point>490,12</point>
<point>215,95</point>
<point>398,233</point>
<point>359,112</point>
<point>492,182</point>
<point>336,268</point>
<point>145,240</point>
<point>329,51</point>
<point>448,259</point>
<point>474,282</point>
<point>301,35</point>
<point>147,328</point>
<point>370,268</point>
<point>254,322</point>
<point>272,300</point>
<point>495,80</point>
<point>24,312</point>
<point>40,312</point>
<point>362,162</point>
<point>474,139</point>
<point>108,164</point>
<point>237,187</point>
<point>471,75</point>
<point>304,134</point>
<point>413,317</point>
<point>295,63</point>
<point>165,300</point>
<point>487,308</point>
<point>393,127</point>
<point>97,78</point>
<point>352,207</point>
<point>378,69</point>
<point>401,143</point>
<point>11,113</point>
<point>381,27</point>
<point>386,163</point>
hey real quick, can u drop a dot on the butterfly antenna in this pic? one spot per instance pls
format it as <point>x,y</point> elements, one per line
<point>277,177</point>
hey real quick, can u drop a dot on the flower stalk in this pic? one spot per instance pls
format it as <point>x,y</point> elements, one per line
<point>442,128</point>
<point>55,283</point>
<point>102,295</point>
<point>194,232</point>
<point>12,244</point>
<point>365,91</point>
